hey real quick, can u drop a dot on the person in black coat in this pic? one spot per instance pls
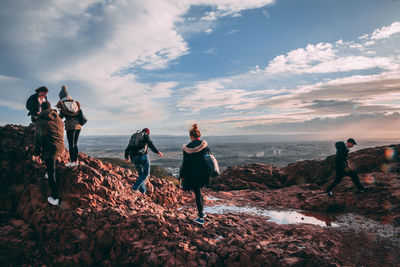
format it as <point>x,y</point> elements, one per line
<point>33,104</point>
<point>193,172</point>
<point>342,166</point>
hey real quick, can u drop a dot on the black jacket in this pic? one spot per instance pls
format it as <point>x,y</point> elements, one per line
<point>342,154</point>
<point>194,171</point>
<point>32,104</point>
<point>132,151</point>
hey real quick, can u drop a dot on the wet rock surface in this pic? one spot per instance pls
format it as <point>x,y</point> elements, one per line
<point>101,222</point>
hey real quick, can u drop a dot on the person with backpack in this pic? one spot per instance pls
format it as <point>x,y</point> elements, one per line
<point>342,166</point>
<point>70,110</point>
<point>49,143</point>
<point>137,151</point>
<point>33,104</point>
<point>193,172</point>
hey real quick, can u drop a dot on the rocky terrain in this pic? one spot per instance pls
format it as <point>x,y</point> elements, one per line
<point>262,176</point>
<point>101,222</point>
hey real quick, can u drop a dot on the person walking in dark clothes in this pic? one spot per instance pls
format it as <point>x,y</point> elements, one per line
<point>49,142</point>
<point>137,151</point>
<point>34,101</point>
<point>342,166</point>
<point>69,109</point>
<point>193,173</point>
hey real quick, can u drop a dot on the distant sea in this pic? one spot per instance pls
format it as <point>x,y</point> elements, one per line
<point>229,150</point>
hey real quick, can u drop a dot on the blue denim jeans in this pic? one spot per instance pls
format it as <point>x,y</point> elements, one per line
<point>142,164</point>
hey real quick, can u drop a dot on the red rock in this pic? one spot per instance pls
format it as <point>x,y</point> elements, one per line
<point>101,222</point>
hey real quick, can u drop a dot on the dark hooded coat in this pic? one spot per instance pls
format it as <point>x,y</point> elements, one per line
<point>194,170</point>
<point>49,134</point>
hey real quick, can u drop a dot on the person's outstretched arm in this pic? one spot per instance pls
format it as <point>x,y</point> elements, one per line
<point>151,145</point>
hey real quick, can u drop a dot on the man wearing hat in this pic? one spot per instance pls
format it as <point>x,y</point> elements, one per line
<point>342,166</point>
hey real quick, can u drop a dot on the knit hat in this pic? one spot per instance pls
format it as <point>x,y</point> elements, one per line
<point>146,130</point>
<point>63,92</point>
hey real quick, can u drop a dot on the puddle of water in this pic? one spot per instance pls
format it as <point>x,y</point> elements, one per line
<point>213,198</point>
<point>357,223</point>
<point>280,217</point>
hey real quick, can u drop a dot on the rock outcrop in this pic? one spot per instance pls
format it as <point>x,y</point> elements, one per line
<point>263,176</point>
<point>101,222</point>
<point>252,176</point>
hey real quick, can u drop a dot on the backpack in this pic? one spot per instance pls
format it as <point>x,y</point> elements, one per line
<point>71,106</point>
<point>137,141</point>
<point>211,164</point>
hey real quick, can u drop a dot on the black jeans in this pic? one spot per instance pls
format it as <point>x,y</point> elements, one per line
<point>339,177</point>
<point>199,201</point>
<point>72,136</point>
<point>51,172</point>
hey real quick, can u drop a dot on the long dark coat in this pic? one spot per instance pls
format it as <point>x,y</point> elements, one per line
<point>193,171</point>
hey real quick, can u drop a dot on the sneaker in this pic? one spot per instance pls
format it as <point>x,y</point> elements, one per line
<point>199,221</point>
<point>68,164</point>
<point>204,215</point>
<point>46,176</point>
<point>362,190</point>
<point>53,201</point>
<point>330,193</point>
<point>74,164</point>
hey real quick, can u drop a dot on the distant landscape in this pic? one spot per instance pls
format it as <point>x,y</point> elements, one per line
<point>229,150</point>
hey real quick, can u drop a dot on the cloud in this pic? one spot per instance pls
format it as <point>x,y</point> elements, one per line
<point>386,32</point>
<point>96,47</point>
<point>329,58</point>
<point>232,32</point>
<point>210,16</point>
<point>355,125</point>
<point>358,93</point>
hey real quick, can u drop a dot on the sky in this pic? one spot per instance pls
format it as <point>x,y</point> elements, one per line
<point>322,68</point>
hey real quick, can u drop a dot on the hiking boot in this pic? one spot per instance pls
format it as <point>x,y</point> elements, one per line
<point>330,193</point>
<point>199,221</point>
<point>53,201</point>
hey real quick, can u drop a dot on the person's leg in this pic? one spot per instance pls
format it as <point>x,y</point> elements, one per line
<point>142,164</point>
<point>70,138</point>
<point>51,171</point>
<point>76,137</point>
<point>199,201</point>
<point>355,179</point>
<point>338,179</point>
